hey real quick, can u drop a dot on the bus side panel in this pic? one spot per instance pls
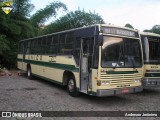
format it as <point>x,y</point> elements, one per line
<point>37,69</point>
<point>19,61</point>
<point>52,68</point>
<point>152,67</point>
<point>53,74</point>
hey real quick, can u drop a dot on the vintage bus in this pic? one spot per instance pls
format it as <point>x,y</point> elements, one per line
<point>99,60</point>
<point>151,53</point>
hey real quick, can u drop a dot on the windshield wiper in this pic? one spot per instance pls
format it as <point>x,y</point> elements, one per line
<point>121,54</point>
<point>134,66</point>
<point>118,61</point>
<point>115,66</point>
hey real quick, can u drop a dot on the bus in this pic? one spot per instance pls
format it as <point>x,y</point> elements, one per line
<point>151,53</point>
<point>98,60</point>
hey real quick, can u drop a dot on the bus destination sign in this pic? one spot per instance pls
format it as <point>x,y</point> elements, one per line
<point>119,31</point>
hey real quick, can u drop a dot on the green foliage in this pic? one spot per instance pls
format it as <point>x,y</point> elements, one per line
<point>147,30</point>
<point>3,22</point>
<point>20,25</point>
<point>22,9</point>
<point>27,32</point>
<point>14,27</point>
<point>1,68</point>
<point>43,15</point>
<point>155,29</point>
<point>10,56</point>
<point>129,26</point>
<point>72,20</point>
<point>17,26</point>
<point>3,44</point>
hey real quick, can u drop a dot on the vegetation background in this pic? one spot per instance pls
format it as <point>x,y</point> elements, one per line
<point>19,24</point>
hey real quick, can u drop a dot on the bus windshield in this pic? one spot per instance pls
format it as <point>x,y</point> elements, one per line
<point>121,52</point>
<point>154,50</point>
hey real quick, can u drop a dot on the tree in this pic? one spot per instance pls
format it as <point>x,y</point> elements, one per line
<point>155,29</point>
<point>72,20</point>
<point>43,15</point>
<point>3,44</point>
<point>17,26</point>
<point>14,27</point>
<point>22,9</point>
<point>129,26</point>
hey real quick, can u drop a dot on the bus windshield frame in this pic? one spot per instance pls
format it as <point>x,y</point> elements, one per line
<point>151,49</point>
<point>121,52</point>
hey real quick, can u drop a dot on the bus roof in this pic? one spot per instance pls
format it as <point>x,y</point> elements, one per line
<point>150,34</point>
<point>98,25</point>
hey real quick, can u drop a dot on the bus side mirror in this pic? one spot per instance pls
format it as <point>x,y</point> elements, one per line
<point>100,40</point>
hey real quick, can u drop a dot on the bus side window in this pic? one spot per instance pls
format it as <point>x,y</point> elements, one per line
<point>39,45</point>
<point>32,47</point>
<point>28,47</point>
<point>68,48</point>
<point>49,44</point>
<point>35,46</point>
<point>62,43</point>
<point>43,45</point>
<point>55,44</point>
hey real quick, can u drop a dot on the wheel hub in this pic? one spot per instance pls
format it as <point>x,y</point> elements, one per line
<point>71,85</point>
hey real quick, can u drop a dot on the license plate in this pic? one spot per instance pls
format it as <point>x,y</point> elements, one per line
<point>125,91</point>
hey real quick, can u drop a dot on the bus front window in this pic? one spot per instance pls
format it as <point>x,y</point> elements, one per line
<point>154,50</point>
<point>121,52</point>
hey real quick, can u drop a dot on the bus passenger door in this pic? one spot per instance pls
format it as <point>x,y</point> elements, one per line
<point>84,73</point>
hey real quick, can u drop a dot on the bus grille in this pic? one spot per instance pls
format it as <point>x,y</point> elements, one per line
<point>119,79</point>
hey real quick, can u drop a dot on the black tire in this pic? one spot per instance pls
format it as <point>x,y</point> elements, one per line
<point>29,73</point>
<point>71,87</point>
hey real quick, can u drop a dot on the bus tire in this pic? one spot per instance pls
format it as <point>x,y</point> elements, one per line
<point>29,73</point>
<point>71,87</point>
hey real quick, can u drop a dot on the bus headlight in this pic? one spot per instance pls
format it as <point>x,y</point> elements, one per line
<point>99,82</point>
<point>137,80</point>
<point>105,82</point>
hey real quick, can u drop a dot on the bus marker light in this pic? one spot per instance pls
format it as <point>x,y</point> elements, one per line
<point>137,80</point>
<point>105,82</point>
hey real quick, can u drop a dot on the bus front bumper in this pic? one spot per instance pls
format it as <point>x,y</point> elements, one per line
<point>149,82</point>
<point>112,92</point>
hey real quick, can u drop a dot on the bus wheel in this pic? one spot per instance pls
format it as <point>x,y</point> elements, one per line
<point>71,87</point>
<point>29,73</point>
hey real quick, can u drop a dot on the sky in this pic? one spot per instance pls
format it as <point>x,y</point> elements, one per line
<point>141,14</point>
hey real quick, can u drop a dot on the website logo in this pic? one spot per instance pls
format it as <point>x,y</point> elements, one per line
<point>6,6</point>
<point>6,114</point>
